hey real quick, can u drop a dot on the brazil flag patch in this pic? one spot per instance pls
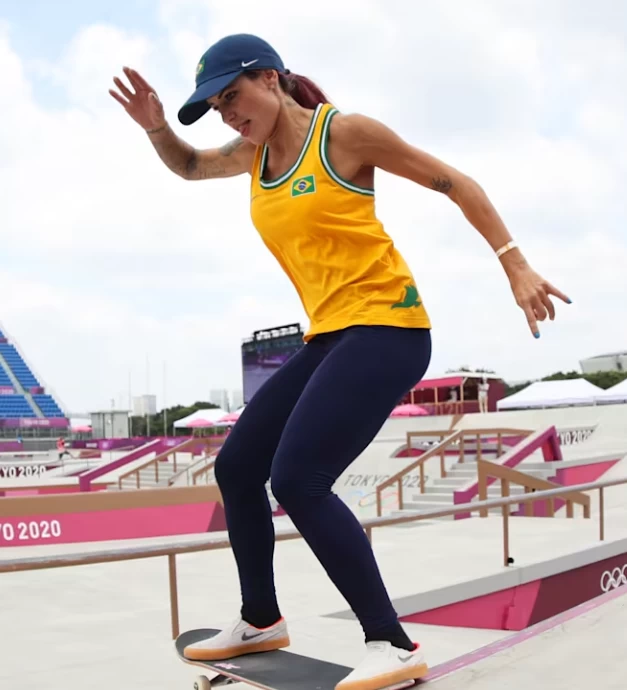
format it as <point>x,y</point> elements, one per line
<point>304,185</point>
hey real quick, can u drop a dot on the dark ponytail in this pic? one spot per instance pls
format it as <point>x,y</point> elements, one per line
<point>302,90</point>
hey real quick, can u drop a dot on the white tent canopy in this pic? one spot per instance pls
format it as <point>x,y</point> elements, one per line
<point>617,393</point>
<point>552,394</point>
<point>212,415</point>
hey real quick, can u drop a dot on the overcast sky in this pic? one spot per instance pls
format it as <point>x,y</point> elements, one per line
<point>110,261</point>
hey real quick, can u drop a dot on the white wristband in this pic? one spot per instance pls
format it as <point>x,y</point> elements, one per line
<point>505,248</point>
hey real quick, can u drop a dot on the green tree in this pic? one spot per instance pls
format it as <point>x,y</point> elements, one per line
<point>606,379</point>
<point>140,425</point>
<point>479,370</point>
<point>602,379</point>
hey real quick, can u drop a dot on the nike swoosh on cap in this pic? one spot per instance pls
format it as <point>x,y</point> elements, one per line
<point>248,64</point>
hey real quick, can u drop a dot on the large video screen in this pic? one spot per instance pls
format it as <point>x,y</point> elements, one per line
<point>265,353</point>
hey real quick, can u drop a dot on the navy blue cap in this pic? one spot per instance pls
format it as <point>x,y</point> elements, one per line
<point>221,64</point>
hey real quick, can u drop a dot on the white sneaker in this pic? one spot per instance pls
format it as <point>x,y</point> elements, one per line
<point>237,639</point>
<point>385,666</point>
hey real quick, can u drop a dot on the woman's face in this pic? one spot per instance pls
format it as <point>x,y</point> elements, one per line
<point>250,106</point>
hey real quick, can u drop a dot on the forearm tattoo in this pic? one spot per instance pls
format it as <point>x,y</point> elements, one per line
<point>442,184</point>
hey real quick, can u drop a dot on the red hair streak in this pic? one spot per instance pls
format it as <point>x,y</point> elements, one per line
<point>304,91</point>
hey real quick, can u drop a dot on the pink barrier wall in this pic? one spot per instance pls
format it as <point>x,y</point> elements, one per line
<point>569,476</point>
<point>46,490</point>
<point>104,525</point>
<point>486,651</point>
<point>516,608</point>
<point>155,447</point>
<point>583,474</point>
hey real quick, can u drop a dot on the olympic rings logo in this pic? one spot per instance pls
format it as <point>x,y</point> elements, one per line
<point>614,579</point>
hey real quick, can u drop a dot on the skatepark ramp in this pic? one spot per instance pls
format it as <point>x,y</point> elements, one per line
<point>122,596</point>
<point>217,542</point>
<point>458,482</point>
<point>591,440</point>
<point>150,465</point>
<point>544,655</point>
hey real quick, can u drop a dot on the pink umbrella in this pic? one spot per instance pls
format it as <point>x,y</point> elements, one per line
<point>408,410</point>
<point>200,423</point>
<point>230,417</point>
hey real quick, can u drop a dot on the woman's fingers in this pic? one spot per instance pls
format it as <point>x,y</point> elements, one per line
<point>538,307</point>
<point>138,82</point>
<point>119,98</point>
<point>131,75</point>
<point>533,296</point>
<point>531,320</point>
<point>552,290</point>
<point>155,108</point>
<point>124,90</point>
<point>550,307</point>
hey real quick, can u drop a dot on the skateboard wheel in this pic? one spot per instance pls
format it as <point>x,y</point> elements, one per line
<point>202,683</point>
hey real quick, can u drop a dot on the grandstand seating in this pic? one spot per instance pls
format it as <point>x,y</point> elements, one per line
<point>4,378</point>
<point>15,406</point>
<point>18,405</point>
<point>18,366</point>
<point>48,405</point>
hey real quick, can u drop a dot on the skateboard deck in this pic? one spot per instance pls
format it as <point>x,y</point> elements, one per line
<point>275,670</point>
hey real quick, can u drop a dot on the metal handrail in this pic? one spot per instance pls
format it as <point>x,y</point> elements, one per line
<point>164,455</point>
<point>192,466</point>
<point>212,543</point>
<point>205,469</point>
<point>420,463</point>
<point>447,439</point>
<point>530,483</point>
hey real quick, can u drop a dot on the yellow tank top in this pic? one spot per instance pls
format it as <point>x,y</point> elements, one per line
<point>324,233</point>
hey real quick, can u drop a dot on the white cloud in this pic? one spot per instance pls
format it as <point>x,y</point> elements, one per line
<point>114,258</point>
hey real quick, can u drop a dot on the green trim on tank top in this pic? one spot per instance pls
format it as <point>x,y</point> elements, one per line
<point>272,184</point>
<point>324,147</point>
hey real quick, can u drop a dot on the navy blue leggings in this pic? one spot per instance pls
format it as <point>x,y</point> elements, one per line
<point>301,430</point>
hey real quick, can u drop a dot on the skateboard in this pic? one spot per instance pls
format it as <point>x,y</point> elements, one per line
<point>275,670</point>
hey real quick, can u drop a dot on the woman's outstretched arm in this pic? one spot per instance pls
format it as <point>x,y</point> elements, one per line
<point>368,143</point>
<point>144,106</point>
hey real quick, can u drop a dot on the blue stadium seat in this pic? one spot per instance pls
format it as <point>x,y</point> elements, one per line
<point>15,406</point>
<point>4,378</point>
<point>48,406</point>
<point>18,366</point>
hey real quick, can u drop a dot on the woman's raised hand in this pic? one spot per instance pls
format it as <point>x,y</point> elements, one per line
<point>142,104</point>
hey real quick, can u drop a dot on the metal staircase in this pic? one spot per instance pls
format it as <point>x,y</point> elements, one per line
<point>147,477</point>
<point>439,493</point>
<point>458,455</point>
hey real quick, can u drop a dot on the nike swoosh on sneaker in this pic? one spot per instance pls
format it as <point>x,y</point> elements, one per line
<point>246,636</point>
<point>405,659</point>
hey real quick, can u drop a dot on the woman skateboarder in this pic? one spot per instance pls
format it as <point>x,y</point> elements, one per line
<point>369,341</point>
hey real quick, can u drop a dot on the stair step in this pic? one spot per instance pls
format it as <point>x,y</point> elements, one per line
<point>494,490</point>
<point>450,482</point>
<point>147,476</point>
<point>432,497</point>
<point>422,506</point>
<point>469,469</point>
<point>461,472</point>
